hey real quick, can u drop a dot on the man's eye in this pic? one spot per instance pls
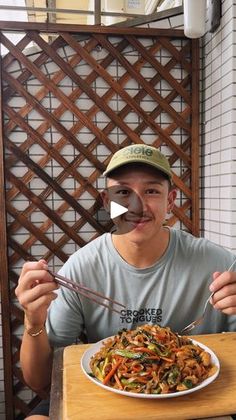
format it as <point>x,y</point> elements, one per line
<point>152,191</point>
<point>122,192</point>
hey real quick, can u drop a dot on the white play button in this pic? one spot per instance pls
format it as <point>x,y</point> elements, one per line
<point>116,209</point>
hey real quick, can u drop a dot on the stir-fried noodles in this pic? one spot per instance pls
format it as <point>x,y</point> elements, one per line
<point>151,360</point>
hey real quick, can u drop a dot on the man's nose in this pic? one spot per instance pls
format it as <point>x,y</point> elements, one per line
<point>136,203</point>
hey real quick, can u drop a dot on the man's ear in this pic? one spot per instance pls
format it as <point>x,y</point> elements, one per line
<point>171,199</point>
<point>105,199</point>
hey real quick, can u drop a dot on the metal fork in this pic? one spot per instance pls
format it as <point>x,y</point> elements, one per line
<point>198,321</point>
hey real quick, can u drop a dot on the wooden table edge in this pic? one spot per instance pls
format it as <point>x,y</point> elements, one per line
<point>55,410</point>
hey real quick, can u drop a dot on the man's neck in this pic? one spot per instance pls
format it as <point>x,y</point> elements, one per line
<point>142,255</point>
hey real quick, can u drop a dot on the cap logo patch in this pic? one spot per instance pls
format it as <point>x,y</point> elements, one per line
<point>137,150</point>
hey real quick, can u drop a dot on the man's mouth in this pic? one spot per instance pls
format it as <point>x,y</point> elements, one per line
<point>137,220</point>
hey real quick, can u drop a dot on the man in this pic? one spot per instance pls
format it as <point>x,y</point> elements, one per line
<point>163,276</point>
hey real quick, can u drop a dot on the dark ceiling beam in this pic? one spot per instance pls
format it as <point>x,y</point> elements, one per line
<point>131,19</point>
<point>51,17</point>
<point>142,20</point>
<point>97,12</point>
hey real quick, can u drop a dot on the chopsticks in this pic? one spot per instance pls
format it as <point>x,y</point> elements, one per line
<point>86,292</point>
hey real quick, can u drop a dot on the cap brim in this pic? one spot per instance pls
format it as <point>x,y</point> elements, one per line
<point>159,168</point>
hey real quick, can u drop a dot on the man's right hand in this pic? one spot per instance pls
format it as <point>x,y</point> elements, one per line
<point>35,292</point>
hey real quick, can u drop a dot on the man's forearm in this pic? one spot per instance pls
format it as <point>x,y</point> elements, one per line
<point>36,360</point>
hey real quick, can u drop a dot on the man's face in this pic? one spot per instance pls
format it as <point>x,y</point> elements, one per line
<point>147,196</point>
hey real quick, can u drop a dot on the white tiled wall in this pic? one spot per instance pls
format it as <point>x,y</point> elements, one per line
<point>218,130</point>
<point>218,153</point>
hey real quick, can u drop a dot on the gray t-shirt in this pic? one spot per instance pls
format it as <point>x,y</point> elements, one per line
<point>172,292</point>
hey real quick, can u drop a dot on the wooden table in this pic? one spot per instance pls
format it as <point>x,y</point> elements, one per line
<point>77,398</point>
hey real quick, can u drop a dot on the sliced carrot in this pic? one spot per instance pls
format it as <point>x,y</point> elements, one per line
<point>141,379</point>
<point>167,359</point>
<point>137,368</point>
<point>159,337</point>
<point>112,371</point>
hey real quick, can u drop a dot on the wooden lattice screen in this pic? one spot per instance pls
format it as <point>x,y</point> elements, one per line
<point>71,96</point>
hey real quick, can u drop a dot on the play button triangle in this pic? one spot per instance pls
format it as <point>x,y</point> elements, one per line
<point>116,209</point>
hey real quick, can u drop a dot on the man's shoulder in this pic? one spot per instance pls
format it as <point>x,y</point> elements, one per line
<point>189,243</point>
<point>187,236</point>
<point>183,235</point>
<point>196,243</point>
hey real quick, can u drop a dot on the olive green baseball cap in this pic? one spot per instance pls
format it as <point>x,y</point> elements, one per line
<point>139,153</point>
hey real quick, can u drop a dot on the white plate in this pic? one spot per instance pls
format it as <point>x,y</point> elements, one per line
<point>85,360</point>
